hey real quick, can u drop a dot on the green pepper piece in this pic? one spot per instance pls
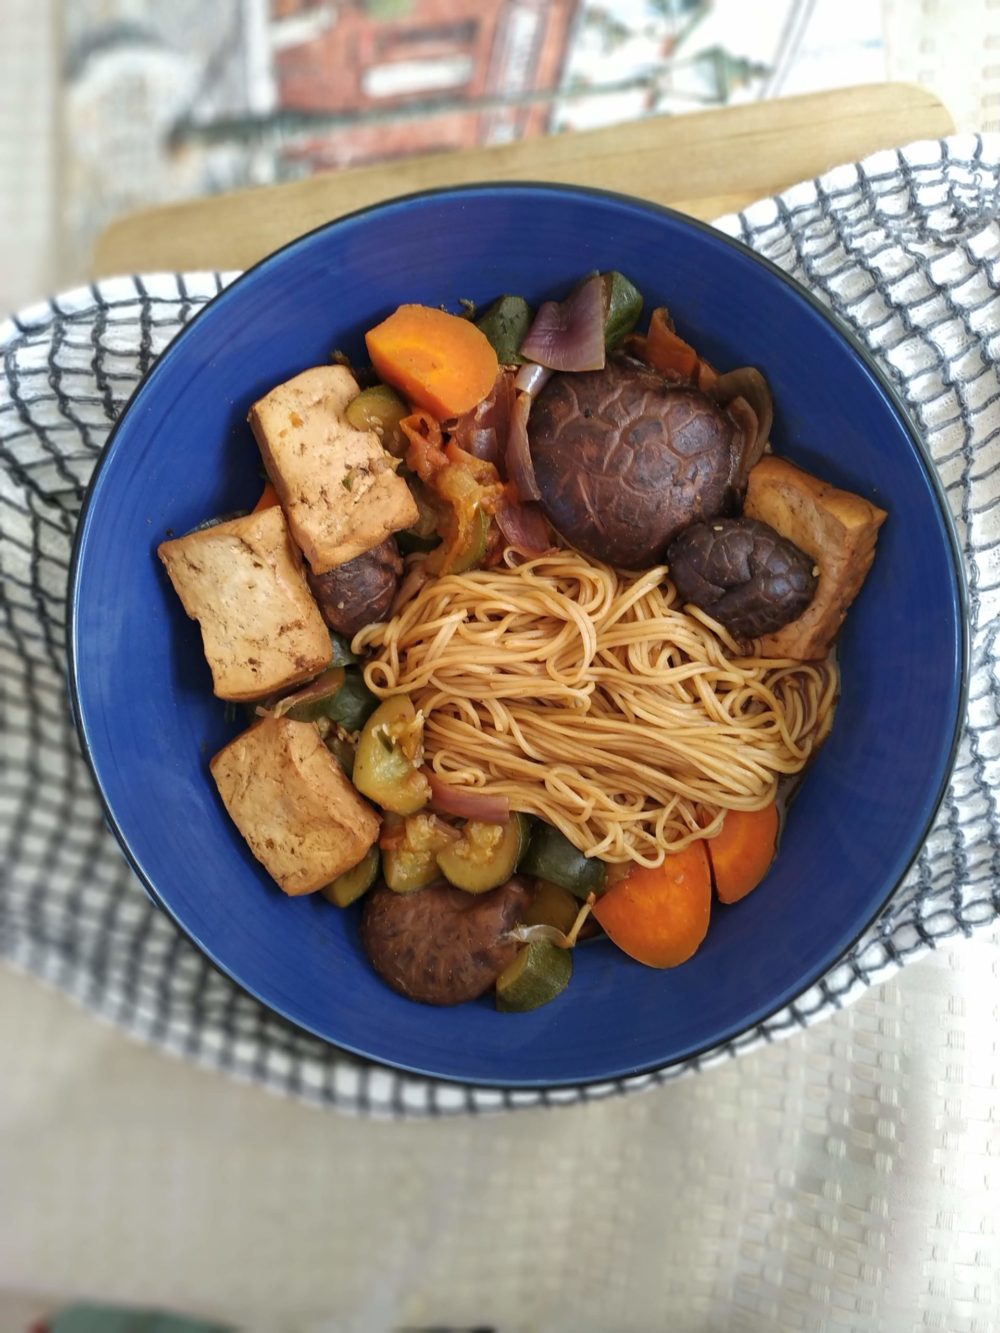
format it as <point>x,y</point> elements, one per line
<point>506,324</point>
<point>339,694</point>
<point>341,647</point>
<point>348,887</point>
<point>385,768</point>
<point>380,409</point>
<point>552,856</point>
<point>464,523</point>
<point>539,973</point>
<point>353,704</point>
<point>315,699</point>
<point>486,855</point>
<point>409,542</point>
<point>469,549</point>
<point>622,308</point>
<point>342,750</point>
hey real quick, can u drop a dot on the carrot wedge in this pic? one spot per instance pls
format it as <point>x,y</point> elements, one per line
<point>742,851</point>
<point>437,361</point>
<point>666,351</point>
<point>659,916</point>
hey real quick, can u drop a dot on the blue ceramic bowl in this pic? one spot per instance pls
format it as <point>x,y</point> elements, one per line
<point>149,723</point>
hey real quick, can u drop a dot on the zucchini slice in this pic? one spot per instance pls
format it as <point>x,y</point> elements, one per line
<point>486,855</point>
<point>553,857</point>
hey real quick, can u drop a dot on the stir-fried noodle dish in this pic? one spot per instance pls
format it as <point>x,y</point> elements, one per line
<point>533,633</point>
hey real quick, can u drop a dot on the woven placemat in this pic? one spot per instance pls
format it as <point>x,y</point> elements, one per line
<point>904,246</point>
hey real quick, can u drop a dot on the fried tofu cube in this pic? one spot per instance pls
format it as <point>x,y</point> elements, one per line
<point>294,805</point>
<point>837,528</point>
<point>244,582</point>
<point>336,483</point>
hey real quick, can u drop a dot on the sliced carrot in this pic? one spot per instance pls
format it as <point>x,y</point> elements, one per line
<point>660,916</point>
<point>268,499</point>
<point>437,361</point>
<point>666,351</point>
<point>742,851</point>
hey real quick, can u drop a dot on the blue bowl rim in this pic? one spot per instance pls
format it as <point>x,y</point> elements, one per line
<point>799,292</point>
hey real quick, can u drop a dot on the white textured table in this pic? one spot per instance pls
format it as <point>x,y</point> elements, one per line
<point>844,1179</point>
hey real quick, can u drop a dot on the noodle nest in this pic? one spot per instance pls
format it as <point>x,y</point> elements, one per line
<point>591,699</point>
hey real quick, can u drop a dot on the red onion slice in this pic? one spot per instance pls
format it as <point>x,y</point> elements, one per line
<point>523,527</point>
<point>532,379</point>
<point>482,432</point>
<point>500,407</point>
<point>520,468</point>
<point>749,450</point>
<point>747,382</point>
<point>466,802</point>
<point>482,443</point>
<point>569,335</point>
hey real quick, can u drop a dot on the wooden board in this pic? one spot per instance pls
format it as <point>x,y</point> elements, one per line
<point>704,164</point>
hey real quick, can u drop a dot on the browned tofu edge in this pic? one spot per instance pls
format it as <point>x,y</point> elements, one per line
<point>386,507</point>
<point>811,635</point>
<point>306,649</point>
<point>308,779</point>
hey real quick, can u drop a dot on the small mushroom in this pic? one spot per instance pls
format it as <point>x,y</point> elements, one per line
<point>441,945</point>
<point>743,574</point>
<point>360,591</point>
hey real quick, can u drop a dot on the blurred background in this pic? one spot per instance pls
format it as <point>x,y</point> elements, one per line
<point>107,106</point>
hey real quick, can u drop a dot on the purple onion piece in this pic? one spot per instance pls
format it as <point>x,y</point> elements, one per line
<point>569,335</point>
<point>747,382</point>
<point>481,442</point>
<point>520,468</point>
<point>524,527</point>
<point>532,379</point>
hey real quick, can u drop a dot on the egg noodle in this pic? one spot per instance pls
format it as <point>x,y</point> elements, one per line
<point>589,698</point>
